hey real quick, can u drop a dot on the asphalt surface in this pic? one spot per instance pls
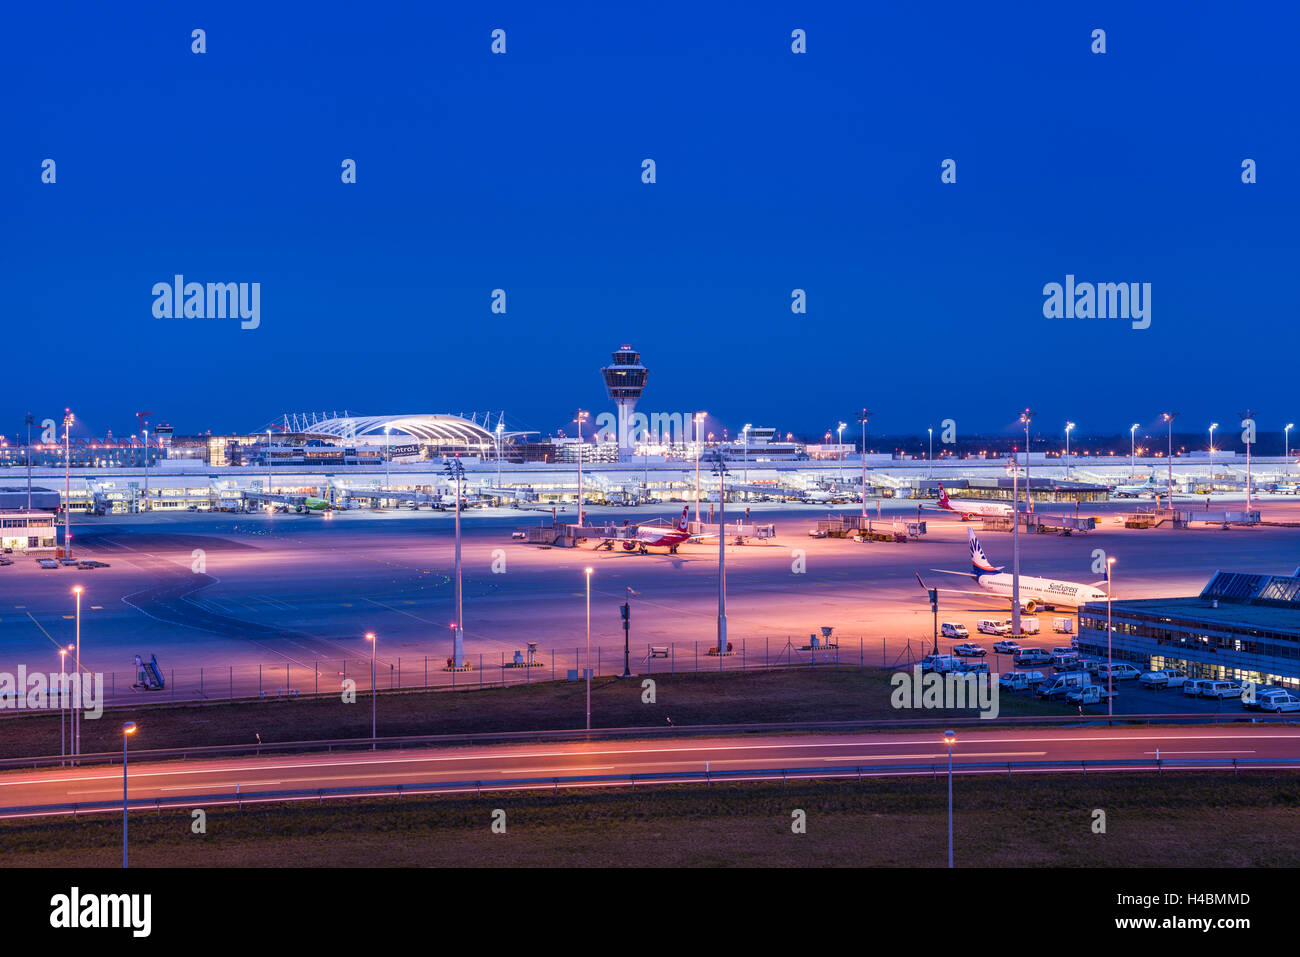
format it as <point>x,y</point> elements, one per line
<point>253,775</point>
<point>229,593</point>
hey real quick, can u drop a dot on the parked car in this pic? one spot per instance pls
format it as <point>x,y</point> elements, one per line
<point>1006,647</point>
<point>969,648</point>
<point>1090,694</point>
<point>1067,662</point>
<point>1192,686</point>
<point>972,668</point>
<point>1032,656</point>
<point>953,629</point>
<point>1277,701</point>
<point>1120,671</point>
<point>1162,678</point>
<point>939,663</point>
<point>1064,651</point>
<point>47,563</point>
<point>1060,685</point>
<point>991,626</point>
<point>1020,680</point>
<point>1221,689</point>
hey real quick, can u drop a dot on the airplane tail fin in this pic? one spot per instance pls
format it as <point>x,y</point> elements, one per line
<point>943,498</point>
<point>682,523</point>
<point>980,565</point>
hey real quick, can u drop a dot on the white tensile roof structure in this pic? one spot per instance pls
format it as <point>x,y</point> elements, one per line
<point>436,429</point>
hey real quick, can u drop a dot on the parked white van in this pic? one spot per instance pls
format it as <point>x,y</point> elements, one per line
<point>991,626</point>
<point>953,629</point>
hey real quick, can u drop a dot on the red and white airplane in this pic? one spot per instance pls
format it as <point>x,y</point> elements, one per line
<point>967,507</point>
<point>656,534</point>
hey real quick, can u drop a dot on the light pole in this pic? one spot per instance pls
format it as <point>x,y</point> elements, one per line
<point>863,419</point>
<point>842,426</point>
<point>30,420</point>
<point>63,697</point>
<point>145,430</point>
<point>720,470</point>
<point>499,429</point>
<point>128,729</point>
<point>374,645</point>
<point>699,417</point>
<point>588,571</point>
<point>387,455</point>
<point>929,456</point>
<point>457,471</point>
<point>1110,661</point>
<point>1169,420</point>
<point>745,470</point>
<point>1026,417</point>
<point>1068,427</point>
<point>1132,450</point>
<point>949,738</point>
<point>1213,426</point>
<point>1015,543</point>
<point>1248,417</point>
<point>67,484</point>
<point>1286,445</point>
<point>580,418</point>
<point>268,462</point>
<point>76,714</point>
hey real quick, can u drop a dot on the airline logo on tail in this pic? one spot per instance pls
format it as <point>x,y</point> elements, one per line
<point>980,565</point>
<point>682,524</point>
<point>943,499</point>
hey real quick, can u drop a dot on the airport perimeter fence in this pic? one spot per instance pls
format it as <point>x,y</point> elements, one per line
<point>408,673</point>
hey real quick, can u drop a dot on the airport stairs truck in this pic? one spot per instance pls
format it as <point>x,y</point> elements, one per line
<point>148,675</point>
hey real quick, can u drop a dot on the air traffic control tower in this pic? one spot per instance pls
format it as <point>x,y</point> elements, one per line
<point>625,380</point>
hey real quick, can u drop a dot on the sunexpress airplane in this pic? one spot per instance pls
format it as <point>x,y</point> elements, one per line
<point>1035,593</point>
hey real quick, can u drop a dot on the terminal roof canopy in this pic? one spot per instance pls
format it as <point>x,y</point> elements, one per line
<point>438,429</point>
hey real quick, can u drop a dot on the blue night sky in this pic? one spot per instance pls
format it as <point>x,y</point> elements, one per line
<point>775,171</point>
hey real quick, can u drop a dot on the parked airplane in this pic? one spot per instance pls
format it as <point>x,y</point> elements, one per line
<point>1150,490</point>
<point>656,535</point>
<point>966,507</point>
<point>1035,593</point>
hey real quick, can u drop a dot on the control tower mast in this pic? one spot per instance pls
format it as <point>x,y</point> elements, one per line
<point>625,381</point>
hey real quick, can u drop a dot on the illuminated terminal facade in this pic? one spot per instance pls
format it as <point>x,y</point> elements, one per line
<point>1242,626</point>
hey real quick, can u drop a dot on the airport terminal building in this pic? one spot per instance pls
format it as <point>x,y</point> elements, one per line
<point>1242,625</point>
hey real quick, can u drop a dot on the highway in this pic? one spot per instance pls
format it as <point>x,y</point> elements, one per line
<point>387,769</point>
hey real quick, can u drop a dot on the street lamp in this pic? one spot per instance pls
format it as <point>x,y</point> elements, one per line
<point>1132,450</point>
<point>374,645</point>
<point>76,714</point>
<point>580,417</point>
<point>863,418</point>
<point>588,571</point>
<point>1286,445</point>
<point>268,461</point>
<point>1110,661</point>
<point>720,470</point>
<point>1213,426</point>
<point>500,428</point>
<point>1015,542</point>
<point>1026,417</point>
<point>63,697</point>
<point>1068,427</point>
<point>929,457</point>
<point>698,417</point>
<point>1169,420</point>
<point>67,484</point>
<point>144,429</point>
<point>128,729</point>
<point>949,738</point>
<point>30,420</point>
<point>1248,416</point>
<point>455,470</point>
<point>745,469</point>
<point>842,426</point>
<point>388,456</point>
